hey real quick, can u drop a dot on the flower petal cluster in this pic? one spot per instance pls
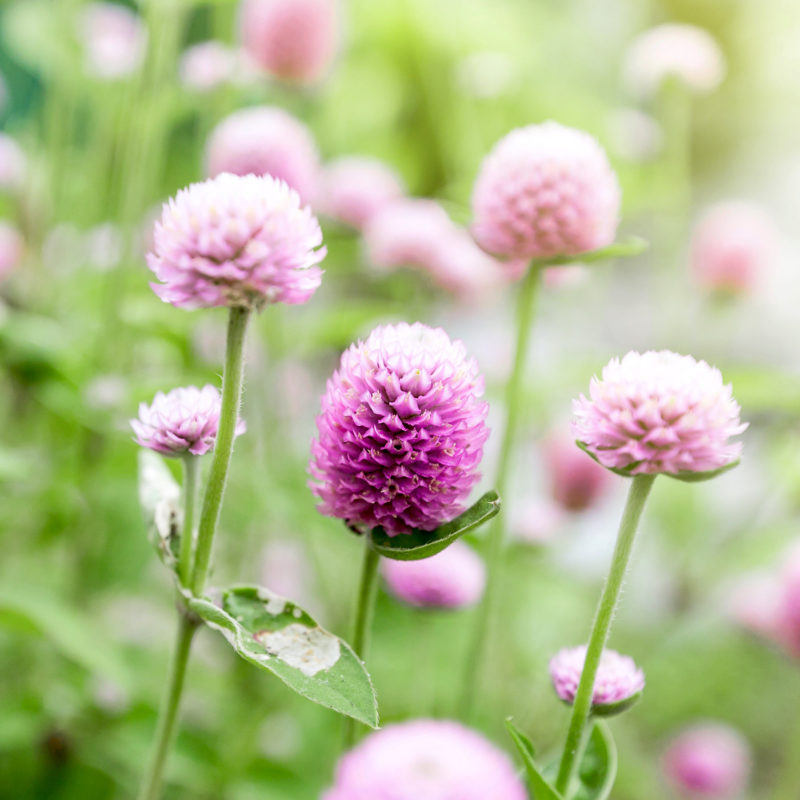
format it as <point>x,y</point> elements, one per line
<point>236,241</point>
<point>401,431</point>
<point>426,760</point>
<point>659,412</point>
<point>454,578</point>
<point>265,140</point>
<point>183,421</point>
<point>543,191</point>
<point>618,678</point>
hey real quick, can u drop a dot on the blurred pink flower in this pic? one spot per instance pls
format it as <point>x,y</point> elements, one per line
<point>286,570</point>
<point>537,522</point>
<point>114,40</point>
<point>426,760</point>
<point>236,241</point>
<point>560,277</point>
<point>11,249</point>
<point>354,188</point>
<point>183,421</point>
<point>732,246</point>
<point>263,140</point>
<point>206,65</point>
<point>454,578</point>
<point>545,190</point>
<point>659,412</point>
<point>708,761</point>
<point>13,163</point>
<point>577,482</point>
<point>294,40</point>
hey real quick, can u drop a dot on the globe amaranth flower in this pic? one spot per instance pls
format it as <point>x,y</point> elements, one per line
<point>732,246</point>
<point>618,678</point>
<point>264,140</point>
<point>453,578</point>
<point>659,412</point>
<point>576,481</point>
<point>679,51</point>
<point>709,760</point>
<point>294,40</point>
<point>426,760</point>
<point>183,421</point>
<point>401,431</point>
<point>236,241</point>
<point>543,191</point>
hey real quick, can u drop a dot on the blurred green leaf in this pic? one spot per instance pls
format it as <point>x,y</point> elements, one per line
<point>631,246</point>
<point>598,768</point>
<point>539,786</point>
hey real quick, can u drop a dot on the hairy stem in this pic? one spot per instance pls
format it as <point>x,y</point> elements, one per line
<point>190,469</point>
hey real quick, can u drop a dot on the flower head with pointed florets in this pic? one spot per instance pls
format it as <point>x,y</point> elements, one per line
<point>618,678</point>
<point>401,431</point>
<point>181,422</point>
<point>236,241</point>
<point>543,191</point>
<point>659,412</point>
<point>426,760</point>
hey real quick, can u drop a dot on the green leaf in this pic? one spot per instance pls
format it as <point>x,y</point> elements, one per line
<point>631,246</point>
<point>612,709</point>
<point>541,789</point>
<point>280,637</point>
<point>421,544</point>
<point>160,500</point>
<point>598,768</point>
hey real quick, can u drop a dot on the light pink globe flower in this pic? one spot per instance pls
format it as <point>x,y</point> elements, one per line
<point>183,421</point>
<point>401,431</point>
<point>709,760</point>
<point>207,65</point>
<point>426,760</point>
<point>659,412</point>
<point>618,678</point>
<point>577,482</point>
<point>13,164</point>
<point>241,241</point>
<point>11,249</point>
<point>454,578</point>
<point>114,40</point>
<point>263,140</point>
<point>673,50</point>
<point>543,191</point>
<point>293,40</point>
<point>732,247</point>
<point>354,188</point>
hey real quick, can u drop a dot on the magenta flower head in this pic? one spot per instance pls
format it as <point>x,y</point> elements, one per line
<point>659,412</point>
<point>294,40</point>
<point>543,191</point>
<point>236,241</point>
<point>263,140</point>
<point>576,481</point>
<point>453,578</point>
<point>181,422</point>
<point>732,247</point>
<point>354,188</point>
<point>618,684</point>
<point>401,431</point>
<point>708,761</point>
<point>426,759</point>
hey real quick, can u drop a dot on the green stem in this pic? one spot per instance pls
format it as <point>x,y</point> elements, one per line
<point>637,495</point>
<point>787,786</point>
<point>362,621</point>
<point>168,713</point>
<point>190,470</point>
<point>223,447</point>
<point>497,533</point>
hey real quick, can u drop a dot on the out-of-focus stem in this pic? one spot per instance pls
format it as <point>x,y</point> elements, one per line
<point>788,783</point>
<point>190,470</point>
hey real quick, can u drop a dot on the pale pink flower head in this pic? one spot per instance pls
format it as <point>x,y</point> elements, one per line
<point>677,51</point>
<point>453,578</point>
<point>426,759</point>
<point>207,65</point>
<point>13,163</point>
<point>401,431</point>
<point>235,240</point>
<point>11,248</point>
<point>659,412</point>
<point>577,482</point>
<point>354,188</point>
<point>732,247</point>
<point>114,40</point>
<point>181,422</point>
<point>618,683</point>
<point>293,40</point>
<point>709,760</point>
<point>545,190</point>
<point>263,140</point>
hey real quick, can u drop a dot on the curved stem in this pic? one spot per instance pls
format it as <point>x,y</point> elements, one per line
<point>190,470</point>
<point>223,447</point>
<point>362,620</point>
<point>497,532</point>
<point>168,713</point>
<point>637,495</point>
